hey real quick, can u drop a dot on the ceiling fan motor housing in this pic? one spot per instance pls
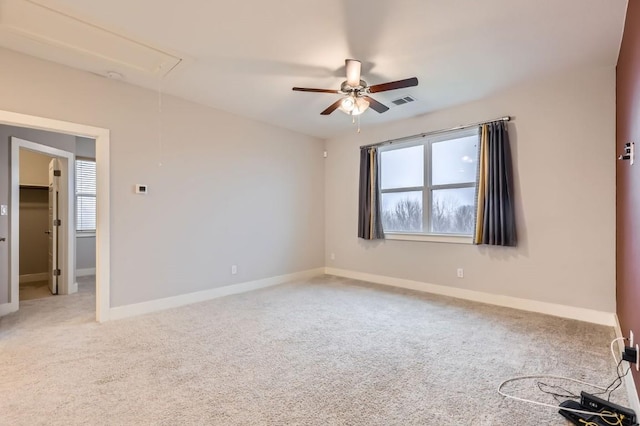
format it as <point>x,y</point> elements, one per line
<point>360,89</point>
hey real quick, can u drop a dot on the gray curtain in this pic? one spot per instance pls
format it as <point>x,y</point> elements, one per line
<point>495,216</point>
<point>369,218</point>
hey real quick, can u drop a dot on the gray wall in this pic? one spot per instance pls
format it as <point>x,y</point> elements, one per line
<point>562,143</point>
<point>34,212</point>
<point>60,141</point>
<point>85,253</point>
<point>223,189</point>
<point>85,147</point>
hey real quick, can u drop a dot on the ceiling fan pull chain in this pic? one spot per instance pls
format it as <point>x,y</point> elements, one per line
<point>358,124</point>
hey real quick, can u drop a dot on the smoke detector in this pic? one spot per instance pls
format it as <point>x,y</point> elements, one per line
<point>114,75</point>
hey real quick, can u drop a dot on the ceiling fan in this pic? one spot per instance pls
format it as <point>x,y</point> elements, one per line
<point>356,92</point>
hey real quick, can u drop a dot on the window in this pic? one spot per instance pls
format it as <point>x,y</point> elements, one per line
<point>85,195</point>
<point>438,172</point>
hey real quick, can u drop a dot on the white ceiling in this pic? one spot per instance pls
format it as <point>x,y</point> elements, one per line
<point>244,56</point>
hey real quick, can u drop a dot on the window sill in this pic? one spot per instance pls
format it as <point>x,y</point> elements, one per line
<point>85,234</point>
<point>452,239</point>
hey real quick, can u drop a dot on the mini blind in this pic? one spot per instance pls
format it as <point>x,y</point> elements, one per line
<point>85,195</point>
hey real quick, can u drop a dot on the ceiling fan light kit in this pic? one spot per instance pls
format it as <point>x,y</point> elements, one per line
<point>356,91</point>
<point>353,105</point>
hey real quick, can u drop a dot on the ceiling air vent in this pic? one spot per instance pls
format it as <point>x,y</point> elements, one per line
<point>404,100</point>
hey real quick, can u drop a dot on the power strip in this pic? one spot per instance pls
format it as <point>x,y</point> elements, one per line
<point>579,419</point>
<point>593,403</point>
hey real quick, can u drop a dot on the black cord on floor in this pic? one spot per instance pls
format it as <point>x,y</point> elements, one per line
<point>558,392</point>
<point>556,395</point>
<point>616,383</point>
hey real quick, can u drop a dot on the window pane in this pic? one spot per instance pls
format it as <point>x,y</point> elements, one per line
<point>402,211</point>
<point>453,211</point>
<point>85,177</point>
<point>85,195</point>
<point>402,168</point>
<point>454,160</point>
<point>86,212</point>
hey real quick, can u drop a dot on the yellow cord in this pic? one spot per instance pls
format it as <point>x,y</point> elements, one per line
<point>608,414</point>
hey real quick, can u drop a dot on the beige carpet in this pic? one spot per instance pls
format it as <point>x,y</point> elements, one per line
<point>327,351</point>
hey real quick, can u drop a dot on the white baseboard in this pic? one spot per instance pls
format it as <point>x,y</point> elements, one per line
<point>572,312</point>
<point>85,272</point>
<point>7,308</point>
<point>201,296</point>
<point>32,278</point>
<point>629,384</point>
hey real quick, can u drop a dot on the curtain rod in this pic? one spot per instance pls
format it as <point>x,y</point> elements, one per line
<point>435,132</point>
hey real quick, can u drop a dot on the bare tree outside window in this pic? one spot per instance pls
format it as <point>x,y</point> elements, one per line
<point>449,217</point>
<point>406,216</point>
<point>465,219</point>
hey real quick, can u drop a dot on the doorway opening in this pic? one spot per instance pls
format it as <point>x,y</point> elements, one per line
<point>40,244</point>
<point>102,232</point>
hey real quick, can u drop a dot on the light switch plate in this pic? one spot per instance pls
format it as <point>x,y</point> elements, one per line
<point>3,210</point>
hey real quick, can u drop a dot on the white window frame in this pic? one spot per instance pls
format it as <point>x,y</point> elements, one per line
<point>83,233</point>
<point>428,188</point>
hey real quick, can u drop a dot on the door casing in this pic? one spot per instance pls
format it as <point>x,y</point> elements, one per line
<point>102,138</point>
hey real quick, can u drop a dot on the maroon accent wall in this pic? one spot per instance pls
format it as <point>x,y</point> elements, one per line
<point>628,178</point>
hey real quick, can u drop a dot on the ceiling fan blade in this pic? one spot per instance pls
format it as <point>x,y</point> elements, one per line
<point>353,67</point>
<point>375,105</point>
<point>331,108</point>
<point>305,89</point>
<point>409,82</point>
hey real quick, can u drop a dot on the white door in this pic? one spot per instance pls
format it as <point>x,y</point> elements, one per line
<point>54,224</point>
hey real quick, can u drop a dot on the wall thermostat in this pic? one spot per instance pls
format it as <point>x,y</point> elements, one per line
<point>141,189</point>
